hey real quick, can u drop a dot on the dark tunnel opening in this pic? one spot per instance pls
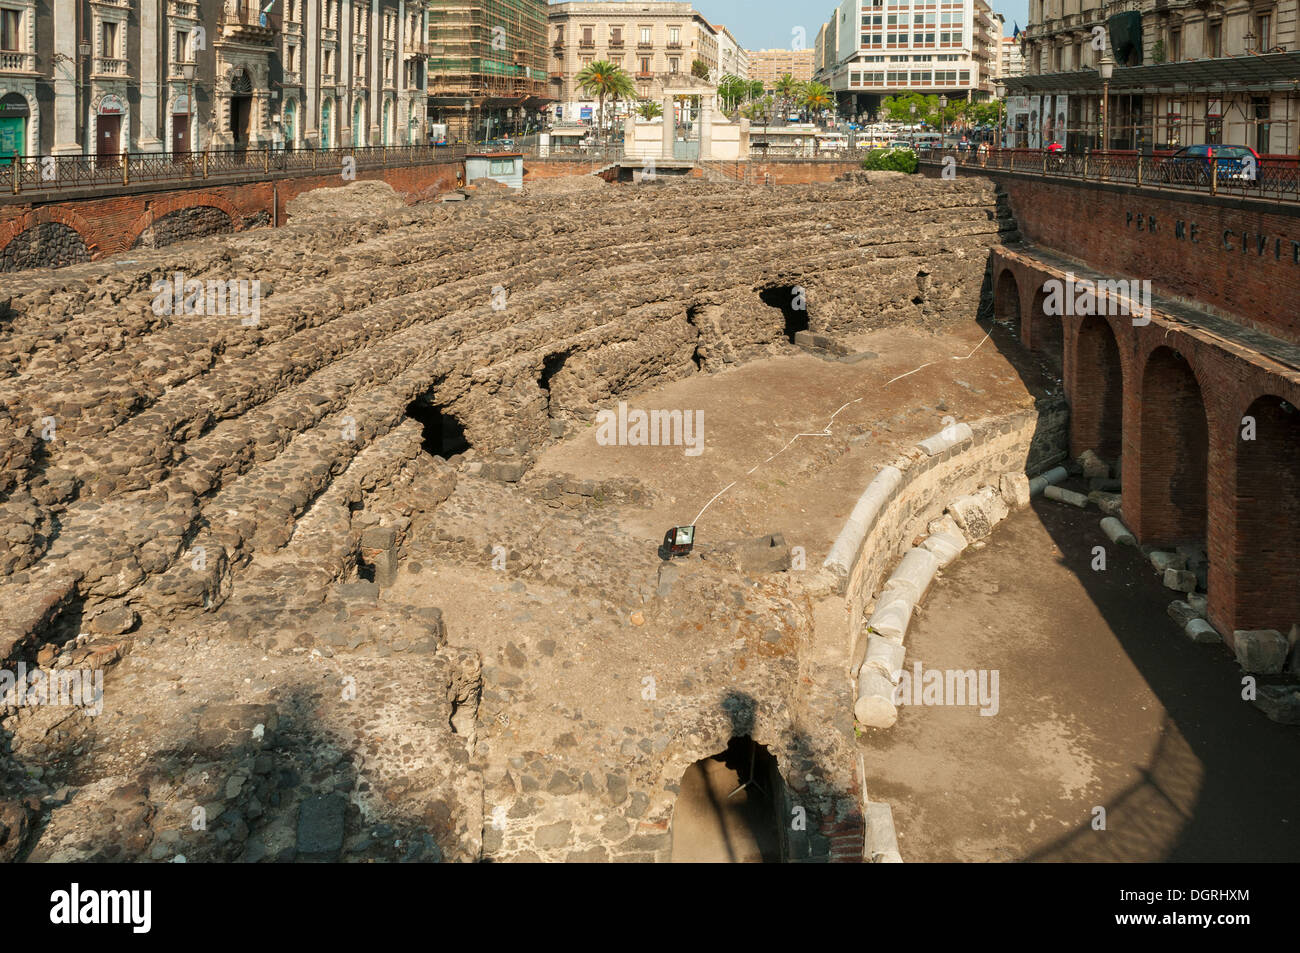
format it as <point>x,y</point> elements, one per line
<point>791,301</point>
<point>444,434</point>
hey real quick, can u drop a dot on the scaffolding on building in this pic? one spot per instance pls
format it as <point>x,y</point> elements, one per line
<point>486,57</point>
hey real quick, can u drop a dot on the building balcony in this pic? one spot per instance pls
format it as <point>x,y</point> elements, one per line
<point>645,46</point>
<point>586,44</point>
<point>557,77</point>
<point>641,75</point>
<point>616,44</point>
<point>293,29</point>
<point>12,62</point>
<point>674,46</point>
<point>329,33</point>
<point>327,79</point>
<point>183,8</point>
<point>107,66</point>
<point>248,26</point>
<point>292,78</point>
<point>415,48</point>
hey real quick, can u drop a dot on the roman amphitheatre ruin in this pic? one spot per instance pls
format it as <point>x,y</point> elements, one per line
<point>363,583</point>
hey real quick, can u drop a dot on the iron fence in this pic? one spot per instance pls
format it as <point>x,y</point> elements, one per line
<point>55,173</point>
<point>1271,177</point>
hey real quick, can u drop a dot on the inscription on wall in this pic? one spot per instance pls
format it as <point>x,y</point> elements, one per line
<point>1239,241</point>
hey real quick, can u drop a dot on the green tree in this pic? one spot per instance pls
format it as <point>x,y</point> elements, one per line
<point>605,79</point>
<point>700,69</point>
<point>815,97</point>
<point>649,109</point>
<point>755,89</point>
<point>732,91</point>
<point>786,87</point>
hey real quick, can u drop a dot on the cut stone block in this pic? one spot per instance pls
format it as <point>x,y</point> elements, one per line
<point>875,705</point>
<point>1181,612</point>
<point>1180,580</point>
<point>913,576</point>
<point>1198,630</point>
<point>1281,703</point>
<point>1117,532</point>
<point>1066,496</point>
<point>946,438</point>
<point>945,546</point>
<point>882,838</point>
<point>977,513</point>
<point>1015,489</point>
<point>1200,602</point>
<point>1262,651</point>
<point>891,617</point>
<point>1161,560</point>
<point>1111,505</point>
<point>1041,482</point>
<point>1093,466</point>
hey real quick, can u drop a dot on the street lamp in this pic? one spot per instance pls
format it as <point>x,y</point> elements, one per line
<point>1107,69</point>
<point>943,119</point>
<point>912,109</point>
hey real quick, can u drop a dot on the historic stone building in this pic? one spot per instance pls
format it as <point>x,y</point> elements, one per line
<point>1182,72</point>
<point>102,77</point>
<point>645,39</point>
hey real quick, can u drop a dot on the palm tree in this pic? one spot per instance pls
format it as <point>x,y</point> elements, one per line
<point>786,87</point>
<point>815,97</point>
<point>603,78</point>
<point>649,109</point>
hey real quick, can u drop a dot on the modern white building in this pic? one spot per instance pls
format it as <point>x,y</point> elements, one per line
<point>870,49</point>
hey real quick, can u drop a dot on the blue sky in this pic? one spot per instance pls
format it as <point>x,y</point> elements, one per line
<point>769,24</point>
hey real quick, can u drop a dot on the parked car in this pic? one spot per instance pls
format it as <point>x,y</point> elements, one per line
<point>900,144</point>
<point>1193,164</point>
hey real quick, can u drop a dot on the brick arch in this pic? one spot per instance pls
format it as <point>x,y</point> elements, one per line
<point>1096,388</point>
<point>50,215</point>
<point>1046,331</point>
<point>1006,300</point>
<point>177,203</point>
<point>1169,454</point>
<point>1265,572</point>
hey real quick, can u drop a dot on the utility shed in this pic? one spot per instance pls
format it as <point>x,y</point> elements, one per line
<point>504,167</point>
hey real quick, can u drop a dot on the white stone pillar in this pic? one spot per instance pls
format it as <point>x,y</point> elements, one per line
<point>65,79</point>
<point>375,105</point>
<point>151,24</point>
<point>347,55</point>
<point>310,119</point>
<point>670,128</point>
<point>705,120</point>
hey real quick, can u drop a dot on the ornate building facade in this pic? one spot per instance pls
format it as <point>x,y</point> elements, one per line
<point>102,77</point>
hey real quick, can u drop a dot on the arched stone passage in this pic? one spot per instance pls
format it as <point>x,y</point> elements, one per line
<point>1046,332</point>
<point>728,807</point>
<point>1006,302</point>
<point>1266,574</point>
<point>1175,451</point>
<point>1097,394</point>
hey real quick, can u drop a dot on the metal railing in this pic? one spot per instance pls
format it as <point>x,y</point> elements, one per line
<point>1274,177</point>
<point>52,173</point>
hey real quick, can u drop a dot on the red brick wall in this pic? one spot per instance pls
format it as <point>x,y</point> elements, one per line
<point>1187,471</point>
<point>112,223</point>
<point>1132,233</point>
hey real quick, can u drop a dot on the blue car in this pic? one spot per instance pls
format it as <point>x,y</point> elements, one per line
<point>1193,163</point>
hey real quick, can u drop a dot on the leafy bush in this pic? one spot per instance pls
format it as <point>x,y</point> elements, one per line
<point>891,160</point>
